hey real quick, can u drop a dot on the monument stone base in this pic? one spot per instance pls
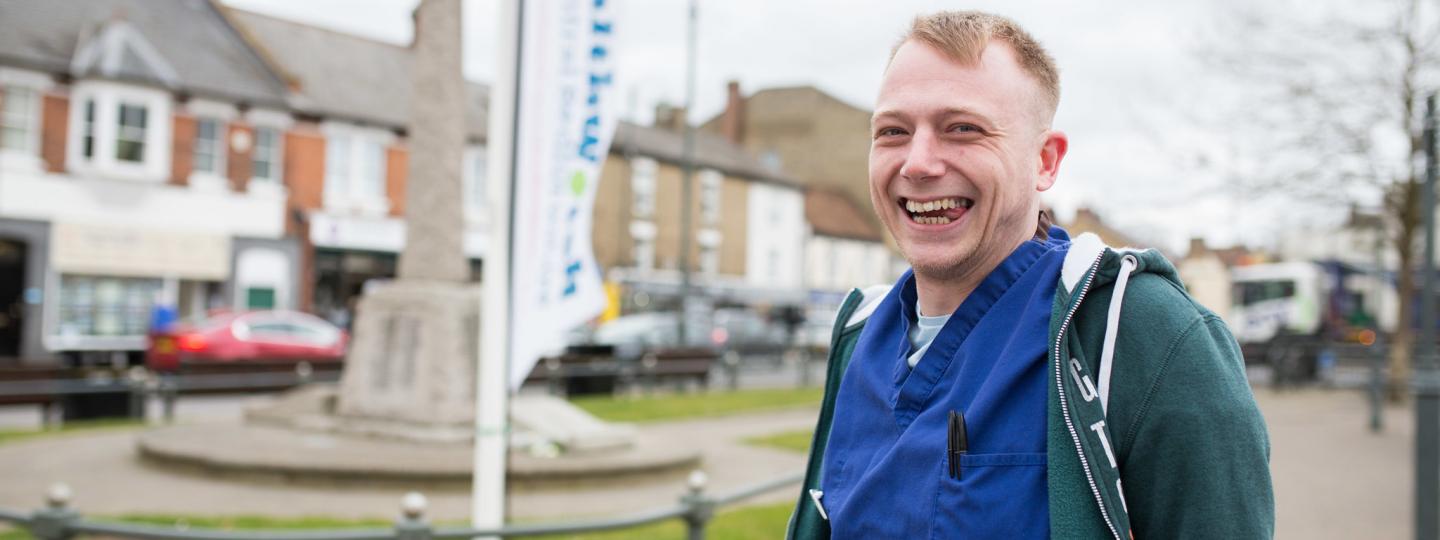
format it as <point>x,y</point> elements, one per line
<point>412,361</point>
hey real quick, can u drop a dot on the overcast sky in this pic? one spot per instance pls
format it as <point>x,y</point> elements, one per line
<point>1131,85</point>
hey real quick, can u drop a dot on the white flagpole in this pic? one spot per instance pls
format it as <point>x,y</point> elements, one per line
<point>492,386</point>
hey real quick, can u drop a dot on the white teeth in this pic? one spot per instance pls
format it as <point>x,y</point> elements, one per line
<point>940,220</point>
<point>931,206</point>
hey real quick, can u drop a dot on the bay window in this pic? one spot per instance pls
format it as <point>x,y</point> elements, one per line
<point>120,131</point>
<point>130,133</point>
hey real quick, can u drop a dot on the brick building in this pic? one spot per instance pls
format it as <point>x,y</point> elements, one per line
<point>748,221</point>
<point>142,160</point>
<point>350,100</point>
<point>825,144</point>
<point>186,153</point>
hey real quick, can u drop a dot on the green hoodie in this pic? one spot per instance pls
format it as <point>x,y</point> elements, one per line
<point>1180,451</point>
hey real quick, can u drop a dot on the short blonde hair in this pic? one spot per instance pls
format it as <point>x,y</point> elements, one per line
<point>963,35</point>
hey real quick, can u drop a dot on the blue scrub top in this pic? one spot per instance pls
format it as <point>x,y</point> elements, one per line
<point>885,470</point>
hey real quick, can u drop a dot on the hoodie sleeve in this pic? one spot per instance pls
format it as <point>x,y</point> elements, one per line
<point>1197,464</point>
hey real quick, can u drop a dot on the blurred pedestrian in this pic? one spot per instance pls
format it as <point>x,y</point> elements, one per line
<point>1015,383</point>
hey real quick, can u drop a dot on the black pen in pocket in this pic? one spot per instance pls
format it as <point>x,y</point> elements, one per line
<point>955,443</point>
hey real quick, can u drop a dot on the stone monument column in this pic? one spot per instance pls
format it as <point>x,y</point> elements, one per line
<point>434,195</point>
<point>411,366</point>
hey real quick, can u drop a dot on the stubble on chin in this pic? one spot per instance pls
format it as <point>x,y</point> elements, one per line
<point>953,264</point>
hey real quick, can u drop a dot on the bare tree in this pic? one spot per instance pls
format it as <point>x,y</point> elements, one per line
<point>1330,111</point>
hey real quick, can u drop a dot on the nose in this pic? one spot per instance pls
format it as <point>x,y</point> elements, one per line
<point>923,160</point>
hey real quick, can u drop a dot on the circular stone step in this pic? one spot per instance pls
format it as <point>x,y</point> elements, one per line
<point>275,454</point>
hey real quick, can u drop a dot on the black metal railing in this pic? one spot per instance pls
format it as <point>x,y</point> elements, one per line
<point>58,521</point>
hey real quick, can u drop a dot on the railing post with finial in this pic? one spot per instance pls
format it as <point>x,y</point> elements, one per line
<point>54,522</point>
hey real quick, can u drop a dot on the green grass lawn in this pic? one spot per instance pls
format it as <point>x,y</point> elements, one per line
<point>697,405</point>
<point>752,522</point>
<point>13,435</point>
<point>797,441</point>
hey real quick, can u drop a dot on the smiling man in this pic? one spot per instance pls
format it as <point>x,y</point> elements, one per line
<point>1015,384</point>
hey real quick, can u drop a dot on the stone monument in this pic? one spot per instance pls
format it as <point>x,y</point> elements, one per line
<point>412,360</point>
<point>409,379</point>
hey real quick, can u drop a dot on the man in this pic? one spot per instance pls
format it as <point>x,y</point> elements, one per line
<point>1014,384</point>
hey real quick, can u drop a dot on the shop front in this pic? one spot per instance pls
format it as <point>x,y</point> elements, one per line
<point>106,283</point>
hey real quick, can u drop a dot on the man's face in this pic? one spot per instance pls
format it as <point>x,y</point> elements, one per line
<point>958,157</point>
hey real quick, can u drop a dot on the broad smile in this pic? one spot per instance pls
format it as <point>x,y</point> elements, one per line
<point>940,211</point>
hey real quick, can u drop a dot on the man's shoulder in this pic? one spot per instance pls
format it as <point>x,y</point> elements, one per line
<point>1158,321</point>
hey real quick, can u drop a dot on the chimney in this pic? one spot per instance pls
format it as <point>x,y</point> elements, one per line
<point>732,123</point>
<point>1197,247</point>
<point>670,118</point>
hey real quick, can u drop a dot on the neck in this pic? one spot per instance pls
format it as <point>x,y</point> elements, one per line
<point>942,295</point>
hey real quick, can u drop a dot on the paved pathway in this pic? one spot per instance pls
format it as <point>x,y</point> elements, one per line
<point>107,479</point>
<point>1334,479</point>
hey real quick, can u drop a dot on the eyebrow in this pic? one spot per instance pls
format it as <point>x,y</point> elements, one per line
<point>948,111</point>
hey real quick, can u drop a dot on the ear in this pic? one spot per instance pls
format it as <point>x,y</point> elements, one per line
<point>1052,151</point>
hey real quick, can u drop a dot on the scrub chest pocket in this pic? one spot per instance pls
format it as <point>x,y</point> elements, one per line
<point>997,486</point>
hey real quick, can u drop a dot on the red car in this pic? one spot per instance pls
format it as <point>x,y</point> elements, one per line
<point>253,336</point>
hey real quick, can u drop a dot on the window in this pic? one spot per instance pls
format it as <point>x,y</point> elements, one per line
<point>643,233</point>
<point>1249,293</point>
<point>87,131</point>
<point>18,119</point>
<point>709,259</point>
<point>710,181</point>
<point>337,167</point>
<point>130,135</point>
<point>120,132</point>
<point>642,187</point>
<point>106,306</point>
<point>645,253</point>
<point>209,147</point>
<point>266,165</point>
<point>354,171</point>
<point>475,164</point>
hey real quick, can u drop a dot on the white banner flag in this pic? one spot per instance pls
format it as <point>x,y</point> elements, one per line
<point>566,119</point>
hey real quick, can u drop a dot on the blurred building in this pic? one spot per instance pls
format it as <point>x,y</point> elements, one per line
<point>350,101</point>
<point>1359,240</point>
<point>747,219</point>
<point>1087,220</point>
<point>821,140</point>
<point>183,153</point>
<point>144,155</point>
<point>825,144</point>
<point>844,251</point>
<point>1207,277</point>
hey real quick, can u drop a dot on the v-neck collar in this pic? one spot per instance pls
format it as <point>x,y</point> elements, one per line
<point>915,384</point>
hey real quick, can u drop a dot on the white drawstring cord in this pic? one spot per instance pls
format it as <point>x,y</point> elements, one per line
<point>1112,324</point>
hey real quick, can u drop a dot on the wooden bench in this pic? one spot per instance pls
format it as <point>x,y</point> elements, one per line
<point>595,370</point>
<point>92,392</point>
<point>87,392</point>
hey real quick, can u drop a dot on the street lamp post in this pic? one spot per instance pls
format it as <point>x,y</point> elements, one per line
<point>1427,376</point>
<point>1377,359</point>
<point>687,184</point>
